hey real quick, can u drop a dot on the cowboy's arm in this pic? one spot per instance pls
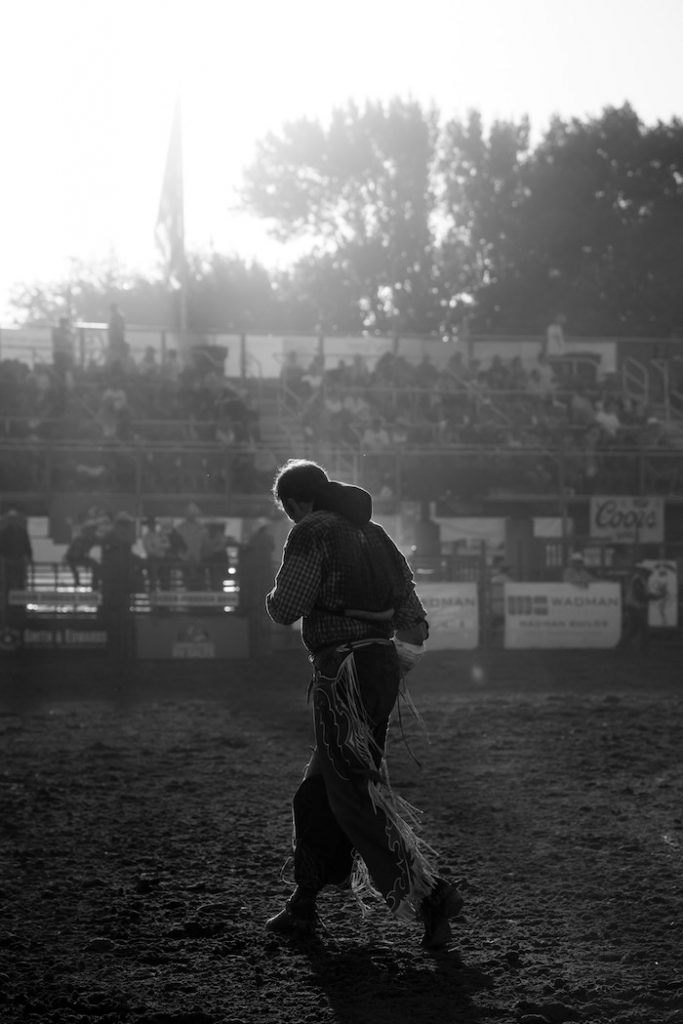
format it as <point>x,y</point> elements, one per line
<point>297,582</point>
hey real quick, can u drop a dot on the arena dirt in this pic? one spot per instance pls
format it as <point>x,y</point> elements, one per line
<point>145,823</point>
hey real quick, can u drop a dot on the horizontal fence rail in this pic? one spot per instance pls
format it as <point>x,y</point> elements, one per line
<point>149,470</point>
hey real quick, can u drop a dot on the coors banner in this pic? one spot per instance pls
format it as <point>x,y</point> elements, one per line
<point>627,520</point>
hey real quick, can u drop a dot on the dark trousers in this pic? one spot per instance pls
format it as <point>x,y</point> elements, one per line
<point>346,818</point>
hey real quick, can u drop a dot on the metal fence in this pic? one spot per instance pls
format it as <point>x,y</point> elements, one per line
<point>196,471</point>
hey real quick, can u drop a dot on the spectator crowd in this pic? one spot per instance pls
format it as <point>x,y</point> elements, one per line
<point>158,424</point>
<point>189,427</point>
<point>555,408</point>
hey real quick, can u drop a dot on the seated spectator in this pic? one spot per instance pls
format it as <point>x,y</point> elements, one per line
<point>631,412</point>
<point>496,376</point>
<point>339,376</point>
<point>534,385</point>
<point>149,364</point>
<point>375,437</point>
<point>234,408</point>
<point>170,367</point>
<point>517,376</point>
<point>546,375</point>
<point>554,337</point>
<point>402,372</point>
<point>334,413</point>
<point>358,410</point>
<point>387,488</point>
<point>292,374</point>
<point>607,419</point>
<point>457,367</point>
<point>383,373</point>
<point>398,433</point>
<point>425,374</point>
<point>313,418</point>
<point>359,375</point>
<point>581,409</point>
<point>553,419</point>
<point>225,431</point>
<point>114,413</point>
<point>312,379</point>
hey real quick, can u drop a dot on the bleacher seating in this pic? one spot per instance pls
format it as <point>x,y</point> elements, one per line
<point>506,427</point>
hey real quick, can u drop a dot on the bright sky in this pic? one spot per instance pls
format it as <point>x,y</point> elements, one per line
<point>88,88</point>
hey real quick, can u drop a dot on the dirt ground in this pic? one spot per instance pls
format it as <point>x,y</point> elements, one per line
<point>145,824</point>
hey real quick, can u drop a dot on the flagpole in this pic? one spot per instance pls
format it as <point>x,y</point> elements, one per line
<point>170,228</point>
<point>183,259</point>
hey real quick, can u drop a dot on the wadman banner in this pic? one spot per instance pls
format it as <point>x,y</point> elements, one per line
<point>627,520</point>
<point>453,614</point>
<point>561,615</point>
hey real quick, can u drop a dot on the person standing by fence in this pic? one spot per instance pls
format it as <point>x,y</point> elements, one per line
<point>637,597</point>
<point>16,555</point>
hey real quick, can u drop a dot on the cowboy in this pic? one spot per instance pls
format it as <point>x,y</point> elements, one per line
<point>353,589</point>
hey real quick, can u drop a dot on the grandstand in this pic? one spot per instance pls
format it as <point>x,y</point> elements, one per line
<point>440,432</point>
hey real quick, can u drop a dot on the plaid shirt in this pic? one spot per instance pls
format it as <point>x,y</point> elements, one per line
<point>328,565</point>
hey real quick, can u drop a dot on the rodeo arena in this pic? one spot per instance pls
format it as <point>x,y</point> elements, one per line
<point>155,719</point>
<point>525,479</point>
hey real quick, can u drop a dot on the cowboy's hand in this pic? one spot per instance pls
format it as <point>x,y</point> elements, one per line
<point>414,635</point>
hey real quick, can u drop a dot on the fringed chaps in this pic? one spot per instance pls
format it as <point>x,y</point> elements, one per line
<point>391,861</point>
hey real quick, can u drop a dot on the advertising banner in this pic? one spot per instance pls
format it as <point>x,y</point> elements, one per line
<point>45,636</point>
<point>561,615</point>
<point>662,612</point>
<point>198,637</point>
<point>453,614</point>
<point>627,520</point>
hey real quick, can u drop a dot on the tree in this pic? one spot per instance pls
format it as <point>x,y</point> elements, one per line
<point>603,217</point>
<point>589,223</point>
<point>361,192</point>
<point>483,195</point>
<point>224,294</point>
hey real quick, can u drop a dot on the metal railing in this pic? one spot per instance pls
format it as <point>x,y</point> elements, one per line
<point>155,476</point>
<point>63,588</point>
<point>635,379</point>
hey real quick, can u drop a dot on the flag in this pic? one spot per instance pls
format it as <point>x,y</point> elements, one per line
<point>170,226</point>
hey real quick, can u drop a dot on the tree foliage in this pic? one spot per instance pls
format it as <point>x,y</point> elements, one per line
<point>413,222</point>
<point>224,294</point>
<point>416,216</point>
<point>362,191</point>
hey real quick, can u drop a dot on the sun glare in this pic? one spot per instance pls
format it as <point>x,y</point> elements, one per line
<point>92,95</point>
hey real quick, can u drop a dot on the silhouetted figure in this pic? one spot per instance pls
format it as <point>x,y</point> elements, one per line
<point>256,579</point>
<point>116,336</point>
<point>16,555</point>
<point>637,597</point>
<point>121,572</point>
<point>354,591</point>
